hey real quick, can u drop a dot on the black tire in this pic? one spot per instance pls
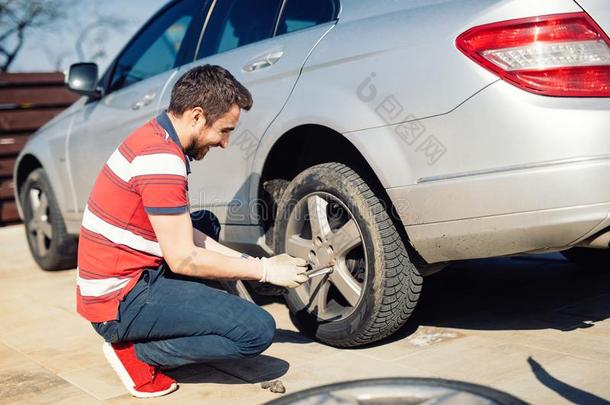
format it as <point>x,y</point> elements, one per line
<point>589,259</point>
<point>391,283</point>
<point>59,251</point>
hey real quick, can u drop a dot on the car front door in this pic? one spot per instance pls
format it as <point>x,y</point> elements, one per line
<point>264,44</point>
<point>133,90</point>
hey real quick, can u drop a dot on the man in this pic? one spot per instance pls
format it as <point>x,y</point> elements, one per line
<point>142,257</point>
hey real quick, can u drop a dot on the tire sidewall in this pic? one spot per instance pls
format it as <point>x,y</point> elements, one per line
<point>323,179</point>
<point>38,179</point>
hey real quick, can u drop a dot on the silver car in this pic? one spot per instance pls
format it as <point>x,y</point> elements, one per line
<point>387,139</point>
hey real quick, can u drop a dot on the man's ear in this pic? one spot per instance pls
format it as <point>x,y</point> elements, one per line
<point>198,116</point>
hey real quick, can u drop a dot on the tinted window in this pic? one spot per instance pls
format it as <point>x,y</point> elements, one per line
<point>156,49</point>
<point>235,23</point>
<point>299,14</point>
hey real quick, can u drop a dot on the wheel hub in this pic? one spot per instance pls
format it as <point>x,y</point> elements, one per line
<point>322,253</point>
<point>39,226</point>
<point>323,231</point>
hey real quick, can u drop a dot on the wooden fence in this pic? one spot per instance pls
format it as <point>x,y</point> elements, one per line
<point>27,101</point>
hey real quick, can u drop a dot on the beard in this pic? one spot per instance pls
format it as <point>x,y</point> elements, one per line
<point>196,150</point>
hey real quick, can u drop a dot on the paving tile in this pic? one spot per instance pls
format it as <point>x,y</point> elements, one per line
<point>205,384</point>
<point>9,357</point>
<point>480,321</point>
<point>99,381</point>
<point>281,314</point>
<point>564,380</point>
<point>24,381</point>
<point>589,343</point>
<point>345,366</point>
<point>476,359</point>
<point>407,342</point>
<point>56,346</point>
<point>297,348</point>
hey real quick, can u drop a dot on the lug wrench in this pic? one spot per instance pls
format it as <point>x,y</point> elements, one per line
<point>320,271</point>
<point>270,289</point>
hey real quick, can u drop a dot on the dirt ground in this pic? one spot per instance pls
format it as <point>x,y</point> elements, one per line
<point>536,327</point>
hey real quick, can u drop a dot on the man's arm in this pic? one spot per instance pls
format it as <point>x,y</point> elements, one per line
<point>207,242</point>
<point>176,237</point>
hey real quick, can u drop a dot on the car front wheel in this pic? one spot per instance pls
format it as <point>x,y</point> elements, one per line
<point>330,216</point>
<point>51,246</point>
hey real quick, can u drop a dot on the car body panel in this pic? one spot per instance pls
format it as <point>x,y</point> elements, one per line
<point>48,147</point>
<point>476,167</point>
<point>221,182</point>
<point>599,10</point>
<point>367,92</point>
<point>548,156</point>
<point>94,136</point>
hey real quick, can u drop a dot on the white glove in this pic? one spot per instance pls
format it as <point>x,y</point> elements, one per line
<point>284,271</point>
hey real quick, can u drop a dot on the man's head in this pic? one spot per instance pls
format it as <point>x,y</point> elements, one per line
<point>206,101</point>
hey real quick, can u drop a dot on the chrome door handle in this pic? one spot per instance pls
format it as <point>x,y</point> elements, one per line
<point>264,62</point>
<point>148,98</point>
<point>144,101</point>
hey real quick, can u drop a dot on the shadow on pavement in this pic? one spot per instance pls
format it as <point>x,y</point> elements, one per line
<point>515,293</point>
<point>289,336</point>
<point>526,292</point>
<point>570,393</point>
<point>245,371</point>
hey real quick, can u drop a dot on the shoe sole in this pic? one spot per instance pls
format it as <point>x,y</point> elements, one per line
<point>125,378</point>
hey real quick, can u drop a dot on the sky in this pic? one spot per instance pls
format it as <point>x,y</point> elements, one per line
<point>54,47</point>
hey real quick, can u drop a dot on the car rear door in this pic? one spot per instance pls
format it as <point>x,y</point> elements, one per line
<point>133,89</point>
<point>264,44</point>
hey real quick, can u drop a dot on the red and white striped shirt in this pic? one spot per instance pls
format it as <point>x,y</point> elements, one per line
<point>146,174</point>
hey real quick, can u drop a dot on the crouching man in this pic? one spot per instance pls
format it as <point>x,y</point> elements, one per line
<point>142,255</point>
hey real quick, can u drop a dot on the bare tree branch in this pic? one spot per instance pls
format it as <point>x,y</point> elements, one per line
<point>19,16</point>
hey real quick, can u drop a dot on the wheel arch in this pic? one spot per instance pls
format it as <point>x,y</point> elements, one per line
<point>300,148</point>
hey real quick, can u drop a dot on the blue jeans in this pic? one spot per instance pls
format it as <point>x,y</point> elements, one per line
<point>175,320</point>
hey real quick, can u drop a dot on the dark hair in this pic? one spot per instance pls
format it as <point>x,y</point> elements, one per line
<point>213,88</point>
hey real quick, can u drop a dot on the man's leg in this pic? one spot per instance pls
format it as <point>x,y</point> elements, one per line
<point>176,322</point>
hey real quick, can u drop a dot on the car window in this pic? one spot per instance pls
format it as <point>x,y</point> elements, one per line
<point>236,23</point>
<point>299,14</point>
<point>156,48</point>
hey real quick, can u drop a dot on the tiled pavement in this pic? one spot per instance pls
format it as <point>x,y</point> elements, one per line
<point>533,326</point>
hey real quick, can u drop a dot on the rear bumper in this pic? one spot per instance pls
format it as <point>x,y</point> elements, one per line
<point>548,206</point>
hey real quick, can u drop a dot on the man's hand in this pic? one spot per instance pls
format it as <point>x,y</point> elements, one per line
<point>284,271</point>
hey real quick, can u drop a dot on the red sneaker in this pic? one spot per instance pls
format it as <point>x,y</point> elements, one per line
<point>140,379</point>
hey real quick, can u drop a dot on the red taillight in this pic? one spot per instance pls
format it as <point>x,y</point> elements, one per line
<point>555,55</point>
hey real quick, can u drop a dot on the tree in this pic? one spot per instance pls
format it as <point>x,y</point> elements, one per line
<point>17,17</point>
<point>88,32</point>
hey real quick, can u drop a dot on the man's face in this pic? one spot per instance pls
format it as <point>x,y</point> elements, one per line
<point>207,137</point>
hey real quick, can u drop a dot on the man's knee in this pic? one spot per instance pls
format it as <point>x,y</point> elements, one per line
<point>206,222</point>
<point>261,331</point>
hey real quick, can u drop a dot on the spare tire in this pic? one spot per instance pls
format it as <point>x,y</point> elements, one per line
<point>330,216</point>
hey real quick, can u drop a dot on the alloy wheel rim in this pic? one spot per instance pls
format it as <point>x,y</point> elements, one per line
<point>40,230</point>
<point>322,230</point>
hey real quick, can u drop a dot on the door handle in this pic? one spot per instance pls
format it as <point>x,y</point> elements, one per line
<point>265,62</point>
<point>144,101</point>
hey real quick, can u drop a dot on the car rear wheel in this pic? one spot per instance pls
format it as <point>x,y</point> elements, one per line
<point>51,246</point>
<point>329,216</point>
